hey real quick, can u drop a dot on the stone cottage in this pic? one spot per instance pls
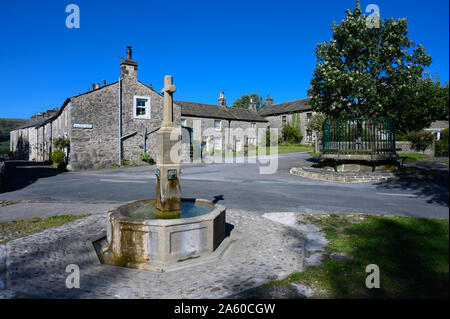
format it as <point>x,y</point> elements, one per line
<point>297,113</point>
<point>26,140</point>
<point>116,123</point>
<point>222,128</point>
<point>105,126</point>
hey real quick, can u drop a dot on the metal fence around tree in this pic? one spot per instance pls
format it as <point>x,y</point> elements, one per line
<point>365,136</point>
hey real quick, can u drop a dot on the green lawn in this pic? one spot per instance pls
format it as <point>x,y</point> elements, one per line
<point>22,227</point>
<point>282,149</point>
<point>412,255</point>
<point>291,148</point>
<point>413,157</point>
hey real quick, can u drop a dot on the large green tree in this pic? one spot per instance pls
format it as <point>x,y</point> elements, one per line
<point>374,71</point>
<point>244,100</point>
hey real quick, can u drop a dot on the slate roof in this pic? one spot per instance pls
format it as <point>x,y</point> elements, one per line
<point>34,123</point>
<point>285,107</point>
<point>214,111</point>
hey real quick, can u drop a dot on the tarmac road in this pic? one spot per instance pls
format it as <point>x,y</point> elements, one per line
<point>237,185</point>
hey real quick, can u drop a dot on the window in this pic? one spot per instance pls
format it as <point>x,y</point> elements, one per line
<point>218,143</point>
<point>283,120</point>
<point>309,135</point>
<point>142,107</point>
<point>308,116</point>
<point>217,125</point>
<point>183,123</point>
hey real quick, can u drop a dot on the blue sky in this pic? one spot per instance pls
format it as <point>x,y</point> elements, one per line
<point>236,46</point>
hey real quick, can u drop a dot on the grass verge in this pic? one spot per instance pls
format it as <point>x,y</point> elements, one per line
<point>412,255</point>
<point>412,157</point>
<point>22,227</point>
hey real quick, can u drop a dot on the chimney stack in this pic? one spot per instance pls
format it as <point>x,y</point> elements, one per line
<point>222,101</point>
<point>150,86</point>
<point>104,83</point>
<point>128,67</point>
<point>252,106</point>
<point>92,86</point>
<point>269,100</point>
<point>97,86</point>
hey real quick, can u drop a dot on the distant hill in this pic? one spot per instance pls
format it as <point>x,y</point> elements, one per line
<point>7,125</point>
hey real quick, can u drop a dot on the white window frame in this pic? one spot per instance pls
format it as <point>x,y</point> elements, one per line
<point>183,122</point>
<point>283,119</point>
<point>220,125</point>
<point>148,107</point>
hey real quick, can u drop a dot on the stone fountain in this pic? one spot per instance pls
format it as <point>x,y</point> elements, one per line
<point>163,233</point>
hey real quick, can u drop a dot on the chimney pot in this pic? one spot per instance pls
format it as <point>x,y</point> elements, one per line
<point>129,53</point>
<point>93,86</point>
<point>150,86</point>
<point>104,83</point>
<point>97,86</point>
<point>269,100</point>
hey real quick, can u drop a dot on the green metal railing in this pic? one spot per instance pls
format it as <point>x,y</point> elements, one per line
<point>359,136</point>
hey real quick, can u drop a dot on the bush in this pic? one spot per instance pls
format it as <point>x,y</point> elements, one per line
<point>444,134</point>
<point>420,140</point>
<point>401,137</point>
<point>291,134</point>
<point>146,158</point>
<point>59,158</point>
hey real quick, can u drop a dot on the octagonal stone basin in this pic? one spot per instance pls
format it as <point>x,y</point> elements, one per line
<point>137,240</point>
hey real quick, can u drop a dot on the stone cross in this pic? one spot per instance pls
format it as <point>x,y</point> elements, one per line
<point>168,91</point>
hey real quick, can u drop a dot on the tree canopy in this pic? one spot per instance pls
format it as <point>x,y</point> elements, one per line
<point>376,71</point>
<point>244,100</point>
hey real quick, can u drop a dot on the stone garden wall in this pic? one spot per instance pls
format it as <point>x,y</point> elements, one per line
<point>406,148</point>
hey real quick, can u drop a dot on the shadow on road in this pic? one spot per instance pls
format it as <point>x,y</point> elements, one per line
<point>217,199</point>
<point>20,174</point>
<point>431,184</point>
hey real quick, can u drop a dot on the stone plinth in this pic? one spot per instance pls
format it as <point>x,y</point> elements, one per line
<point>155,243</point>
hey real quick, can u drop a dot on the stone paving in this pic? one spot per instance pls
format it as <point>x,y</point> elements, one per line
<point>35,265</point>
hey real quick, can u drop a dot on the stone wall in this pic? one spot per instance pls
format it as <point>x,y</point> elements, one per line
<point>405,147</point>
